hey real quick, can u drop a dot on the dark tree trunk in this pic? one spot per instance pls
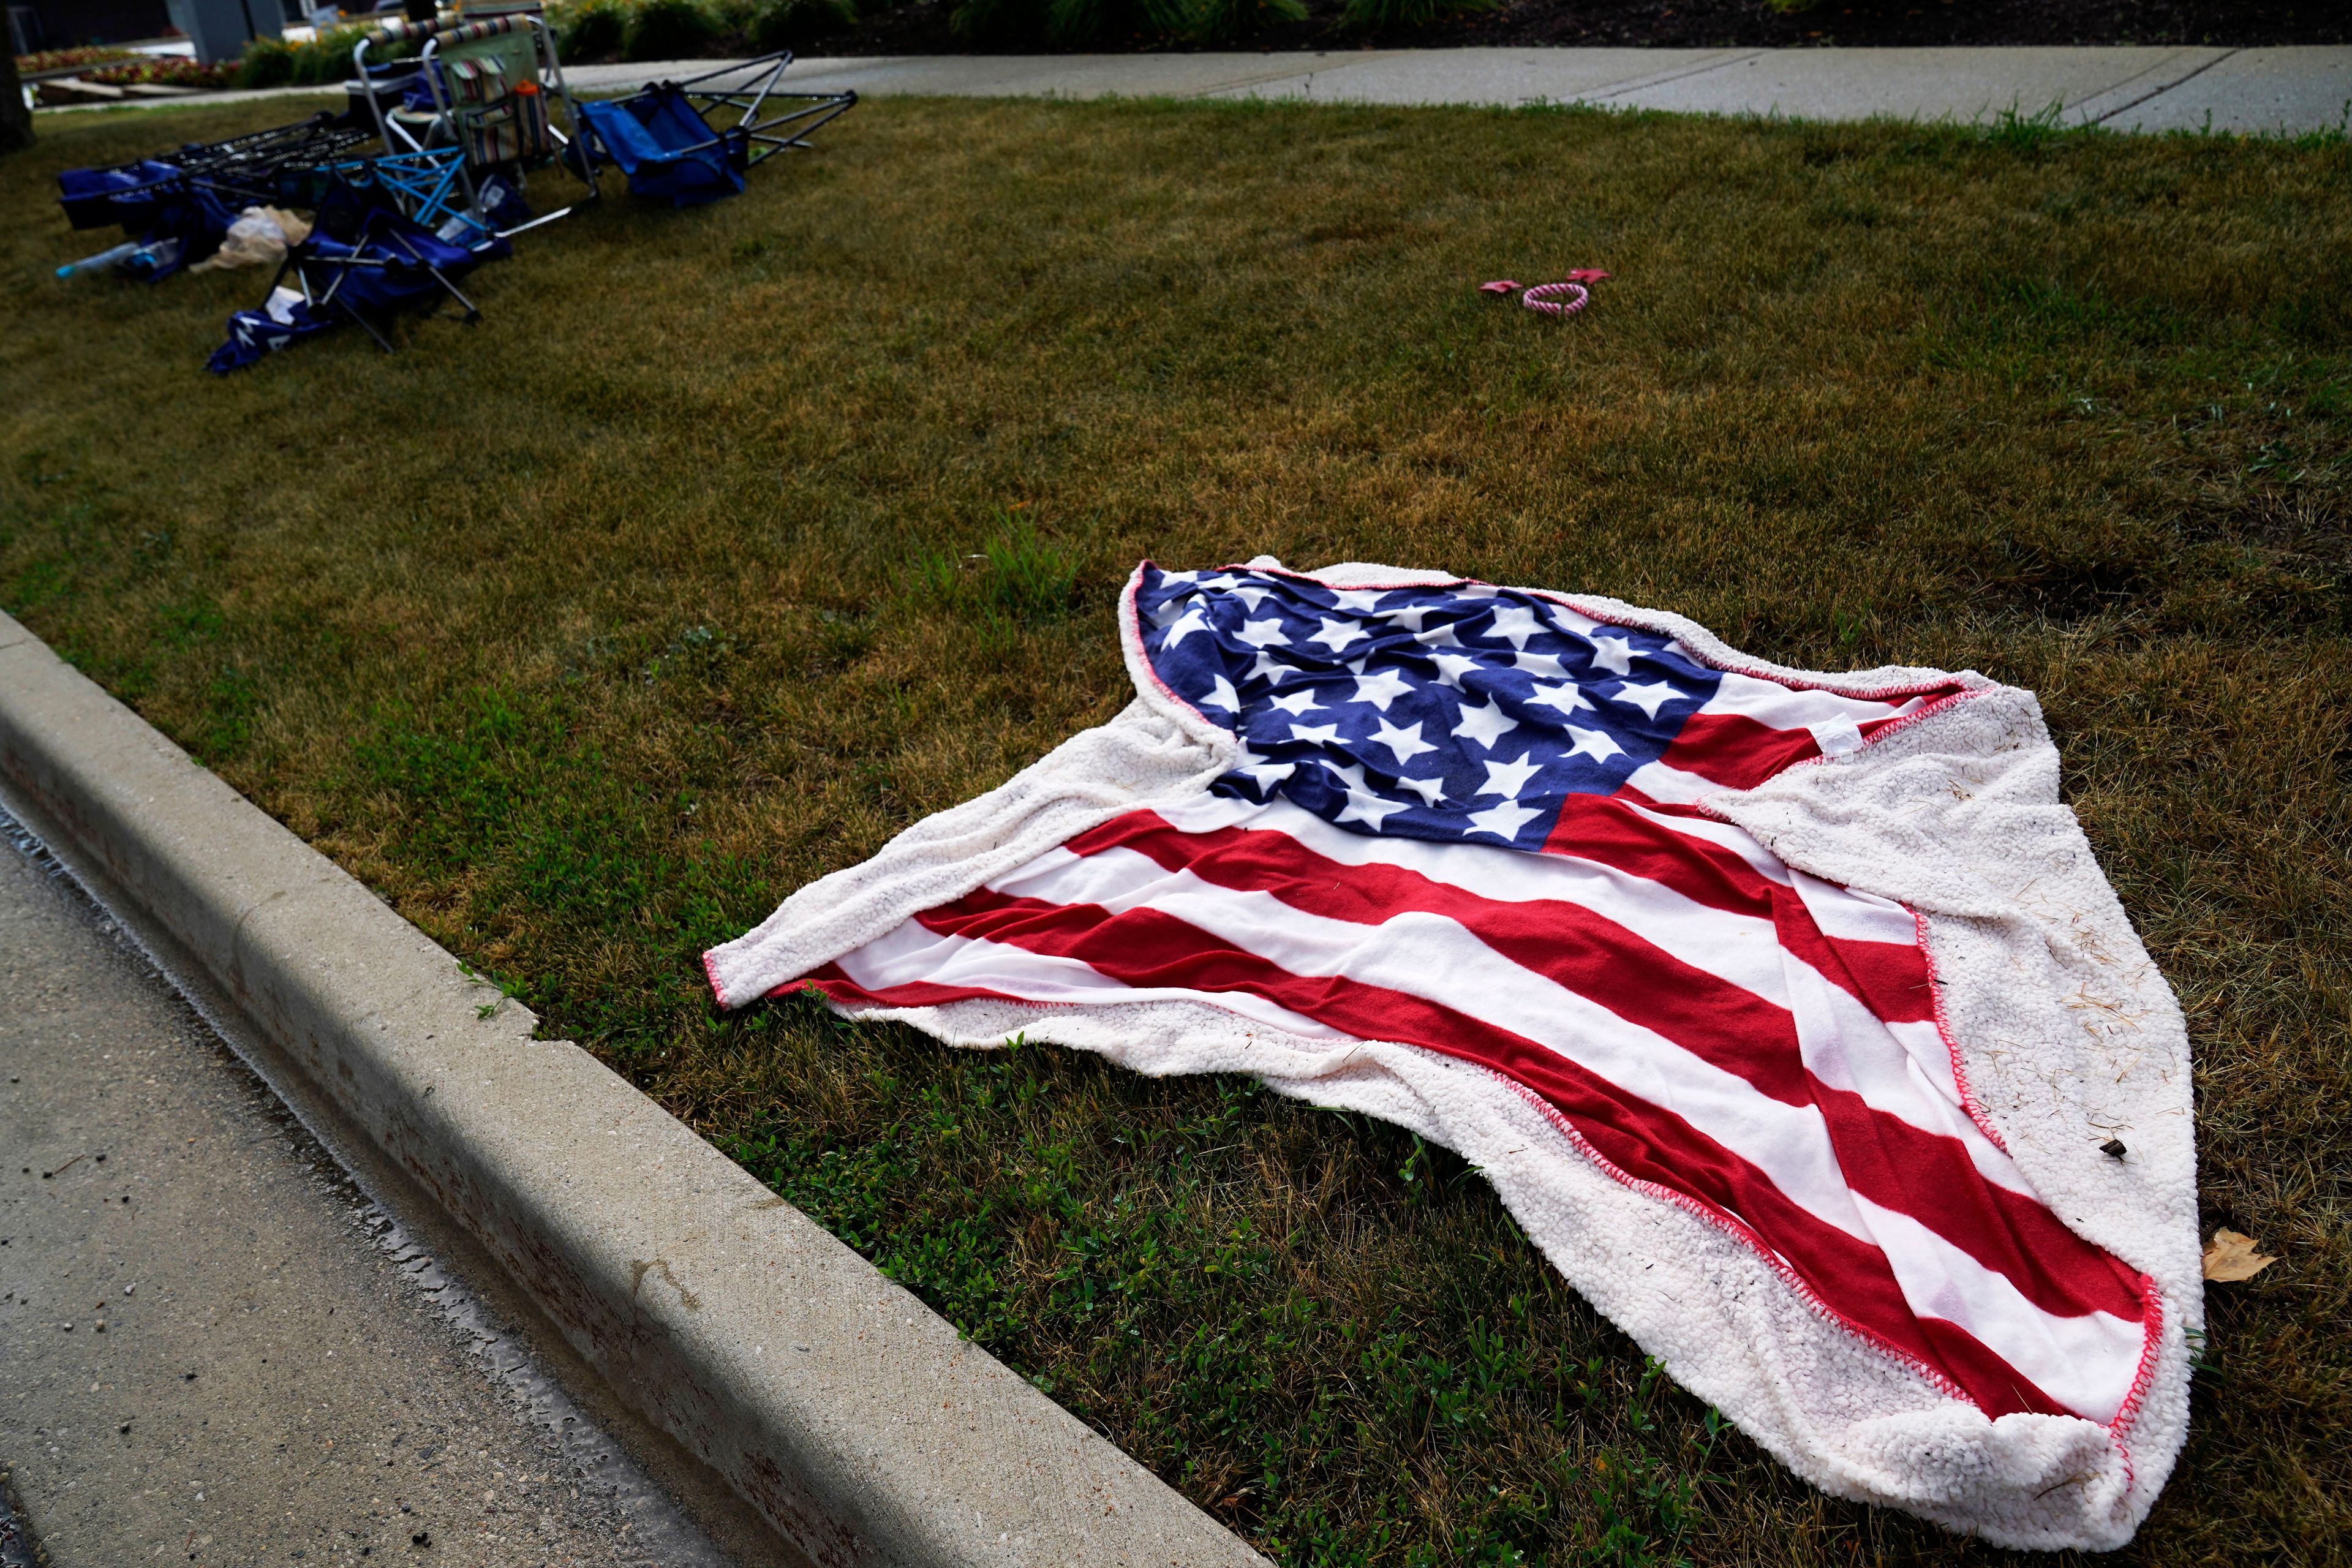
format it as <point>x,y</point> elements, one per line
<point>15,120</point>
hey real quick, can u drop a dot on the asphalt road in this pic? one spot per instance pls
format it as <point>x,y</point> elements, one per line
<point>213,1347</point>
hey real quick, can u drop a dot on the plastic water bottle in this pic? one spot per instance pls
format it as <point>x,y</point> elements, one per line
<point>151,260</point>
<point>102,260</point>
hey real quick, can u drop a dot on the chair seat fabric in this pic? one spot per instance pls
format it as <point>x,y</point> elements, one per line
<point>388,264</point>
<point>665,149</point>
<point>93,199</point>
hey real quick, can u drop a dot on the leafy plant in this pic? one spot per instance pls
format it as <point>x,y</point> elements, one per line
<point>1379,15</point>
<point>267,62</point>
<point>782,23</point>
<point>1068,23</point>
<point>323,60</point>
<point>999,21</point>
<point>70,59</point>
<point>1225,21</point>
<point>167,70</point>
<point>328,57</point>
<point>591,29</point>
<point>670,29</point>
<point>1071,22</point>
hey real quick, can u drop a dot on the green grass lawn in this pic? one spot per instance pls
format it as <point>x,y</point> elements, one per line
<point>736,539</point>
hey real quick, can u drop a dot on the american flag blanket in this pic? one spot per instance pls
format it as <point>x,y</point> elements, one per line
<point>1788,1013</point>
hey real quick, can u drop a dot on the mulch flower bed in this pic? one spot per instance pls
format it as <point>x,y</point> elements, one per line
<point>168,71</point>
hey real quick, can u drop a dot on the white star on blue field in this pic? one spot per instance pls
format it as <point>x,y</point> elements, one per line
<point>1457,713</point>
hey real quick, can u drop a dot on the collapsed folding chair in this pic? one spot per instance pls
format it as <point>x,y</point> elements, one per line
<point>664,138</point>
<point>240,168</point>
<point>427,187</point>
<point>387,264</point>
<point>171,219</point>
<point>178,205</point>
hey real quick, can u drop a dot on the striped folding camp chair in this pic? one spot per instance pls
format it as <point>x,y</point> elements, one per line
<point>490,99</point>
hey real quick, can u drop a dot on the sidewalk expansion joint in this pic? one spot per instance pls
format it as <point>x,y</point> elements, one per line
<point>1643,84</point>
<point>2168,87</point>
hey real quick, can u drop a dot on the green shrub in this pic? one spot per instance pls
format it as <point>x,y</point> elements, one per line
<point>1377,15</point>
<point>999,21</point>
<point>328,58</point>
<point>781,24</point>
<point>1067,23</point>
<point>267,62</point>
<point>591,29</point>
<point>1225,21</point>
<point>168,71</point>
<point>730,19</point>
<point>671,30</point>
<point>323,61</point>
<point>73,58</point>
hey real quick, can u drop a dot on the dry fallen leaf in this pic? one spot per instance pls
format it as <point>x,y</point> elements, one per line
<point>2230,1257</point>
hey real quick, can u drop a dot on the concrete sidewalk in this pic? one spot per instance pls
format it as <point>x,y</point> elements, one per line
<point>2260,91</point>
<point>2268,92</point>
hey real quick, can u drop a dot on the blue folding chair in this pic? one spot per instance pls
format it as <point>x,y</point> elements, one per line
<point>178,204</point>
<point>665,149</point>
<point>663,141</point>
<point>392,263</point>
<point>127,194</point>
<point>171,219</point>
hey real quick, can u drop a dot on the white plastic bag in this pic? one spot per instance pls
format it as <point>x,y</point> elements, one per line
<point>257,238</point>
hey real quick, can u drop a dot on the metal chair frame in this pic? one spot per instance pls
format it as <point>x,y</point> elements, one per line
<point>421,182</point>
<point>773,135</point>
<point>266,151</point>
<point>437,35</point>
<point>242,170</point>
<point>299,258</point>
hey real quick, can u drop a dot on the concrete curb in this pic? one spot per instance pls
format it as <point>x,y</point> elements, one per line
<point>852,1417</point>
